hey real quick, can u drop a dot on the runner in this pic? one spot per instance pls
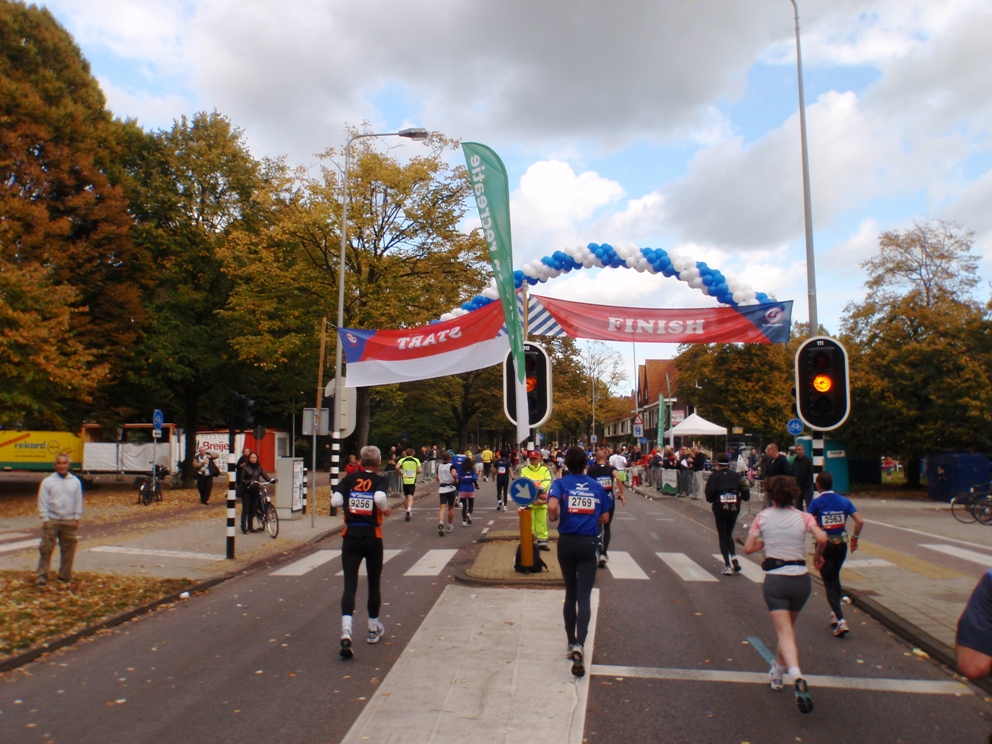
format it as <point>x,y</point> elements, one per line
<point>539,473</point>
<point>725,490</point>
<point>503,468</point>
<point>409,467</point>
<point>487,463</point>
<point>781,531</point>
<point>363,497</point>
<point>447,489</point>
<point>609,478</point>
<point>831,511</point>
<point>467,481</point>
<point>583,505</point>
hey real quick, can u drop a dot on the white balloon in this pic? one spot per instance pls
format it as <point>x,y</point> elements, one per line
<point>555,273</point>
<point>588,264</point>
<point>490,293</point>
<point>642,264</point>
<point>750,294</point>
<point>697,283</point>
<point>679,265</point>
<point>738,297</point>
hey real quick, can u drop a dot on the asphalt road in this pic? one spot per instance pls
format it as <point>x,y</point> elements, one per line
<point>256,658</point>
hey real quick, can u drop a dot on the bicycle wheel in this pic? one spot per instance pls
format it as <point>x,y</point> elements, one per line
<point>158,492</point>
<point>272,520</point>
<point>177,480</point>
<point>147,494</point>
<point>961,509</point>
<point>983,510</point>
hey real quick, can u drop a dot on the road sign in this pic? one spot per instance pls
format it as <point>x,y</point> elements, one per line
<point>156,433</point>
<point>349,406</point>
<point>638,429</point>
<point>324,418</point>
<point>594,439</point>
<point>644,440</point>
<point>523,491</point>
<point>157,420</point>
<point>259,433</point>
<point>795,427</point>
<point>638,420</point>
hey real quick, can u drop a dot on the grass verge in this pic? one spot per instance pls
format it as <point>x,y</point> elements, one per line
<point>31,615</point>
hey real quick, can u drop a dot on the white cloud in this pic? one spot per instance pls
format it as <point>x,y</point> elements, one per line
<point>151,111</point>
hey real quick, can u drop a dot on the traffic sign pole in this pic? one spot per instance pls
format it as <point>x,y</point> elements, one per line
<point>526,541</point>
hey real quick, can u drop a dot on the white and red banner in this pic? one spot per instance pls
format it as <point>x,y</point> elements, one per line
<point>469,342</point>
<point>767,323</point>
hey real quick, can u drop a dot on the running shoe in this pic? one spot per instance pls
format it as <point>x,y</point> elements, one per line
<point>841,630</point>
<point>346,652</point>
<point>464,523</point>
<point>543,545</point>
<point>727,571</point>
<point>499,506</point>
<point>803,701</point>
<point>469,517</point>
<point>449,528</point>
<point>575,654</point>
<point>375,635</point>
<point>440,529</point>
<point>736,565</point>
<point>602,560</point>
<point>408,516</point>
<point>833,619</point>
<point>775,675</point>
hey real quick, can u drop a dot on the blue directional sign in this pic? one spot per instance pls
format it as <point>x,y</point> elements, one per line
<point>523,491</point>
<point>795,427</point>
<point>158,419</point>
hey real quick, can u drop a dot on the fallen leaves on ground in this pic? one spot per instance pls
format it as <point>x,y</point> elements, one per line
<point>31,615</point>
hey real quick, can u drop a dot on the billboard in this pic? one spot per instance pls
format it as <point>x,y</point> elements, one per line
<point>36,450</point>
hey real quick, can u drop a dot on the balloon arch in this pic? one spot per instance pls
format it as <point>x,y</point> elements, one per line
<point>712,282</point>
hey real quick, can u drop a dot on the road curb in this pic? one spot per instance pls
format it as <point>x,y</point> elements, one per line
<point>463,578</point>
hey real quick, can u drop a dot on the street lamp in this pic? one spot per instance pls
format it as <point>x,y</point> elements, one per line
<point>807,200</point>
<point>417,134</point>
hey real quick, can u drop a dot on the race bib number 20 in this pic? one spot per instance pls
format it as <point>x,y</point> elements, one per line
<point>582,504</point>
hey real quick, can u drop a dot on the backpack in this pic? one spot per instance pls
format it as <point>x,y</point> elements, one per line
<point>539,564</point>
<point>214,470</point>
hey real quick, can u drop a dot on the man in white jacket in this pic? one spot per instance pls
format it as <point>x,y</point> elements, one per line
<point>60,504</point>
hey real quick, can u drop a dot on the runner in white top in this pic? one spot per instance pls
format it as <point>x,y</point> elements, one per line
<point>781,531</point>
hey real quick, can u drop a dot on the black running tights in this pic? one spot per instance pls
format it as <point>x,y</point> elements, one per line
<point>577,558</point>
<point>725,521</point>
<point>467,506</point>
<point>353,550</point>
<point>833,560</point>
<point>501,489</point>
<point>606,530</point>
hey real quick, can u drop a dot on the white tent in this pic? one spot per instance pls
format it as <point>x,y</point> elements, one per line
<point>696,426</point>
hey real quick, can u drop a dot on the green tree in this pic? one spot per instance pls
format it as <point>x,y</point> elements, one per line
<point>919,348</point>
<point>64,217</point>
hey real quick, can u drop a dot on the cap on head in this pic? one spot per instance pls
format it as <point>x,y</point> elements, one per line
<point>723,459</point>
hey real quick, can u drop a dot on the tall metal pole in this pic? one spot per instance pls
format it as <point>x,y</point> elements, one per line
<point>316,422</point>
<point>807,199</point>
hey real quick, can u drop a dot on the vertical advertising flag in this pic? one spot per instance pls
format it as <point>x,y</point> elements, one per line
<point>490,185</point>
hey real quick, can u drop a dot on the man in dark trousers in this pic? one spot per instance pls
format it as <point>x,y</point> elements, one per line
<point>778,464</point>
<point>802,471</point>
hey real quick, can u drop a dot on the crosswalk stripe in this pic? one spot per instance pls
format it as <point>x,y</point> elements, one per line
<point>156,553</point>
<point>622,566</point>
<point>867,563</point>
<point>387,555</point>
<point>686,568</point>
<point>11,547</point>
<point>309,563</point>
<point>968,555</point>
<point>4,536</point>
<point>749,569</point>
<point>432,562</point>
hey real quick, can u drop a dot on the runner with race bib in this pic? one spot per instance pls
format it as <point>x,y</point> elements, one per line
<point>725,490</point>
<point>503,469</point>
<point>609,478</point>
<point>409,468</point>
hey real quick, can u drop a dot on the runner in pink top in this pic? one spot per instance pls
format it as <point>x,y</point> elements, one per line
<point>781,531</point>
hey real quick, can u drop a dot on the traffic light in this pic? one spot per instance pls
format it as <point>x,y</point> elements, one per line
<point>823,396</point>
<point>537,380</point>
<point>242,412</point>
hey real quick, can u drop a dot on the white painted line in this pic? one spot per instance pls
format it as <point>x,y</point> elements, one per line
<point>663,519</point>
<point>432,562</point>
<point>917,686</point>
<point>502,631</point>
<point>867,563</point>
<point>11,547</point>
<point>387,555</point>
<point>13,535</point>
<point>750,570</point>
<point>622,566</point>
<point>485,530</point>
<point>157,553</point>
<point>493,521</point>
<point>305,565</point>
<point>967,555</point>
<point>685,567</point>
<point>928,534</point>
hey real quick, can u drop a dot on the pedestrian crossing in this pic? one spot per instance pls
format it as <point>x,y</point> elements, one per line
<point>13,541</point>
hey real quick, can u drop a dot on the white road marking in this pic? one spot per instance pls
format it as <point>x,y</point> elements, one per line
<point>492,522</point>
<point>928,534</point>
<point>158,553</point>
<point>917,686</point>
<point>622,566</point>
<point>502,631</point>
<point>750,570</point>
<point>13,535</point>
<point>387,555</point>
<point>11,547</point>
<point>485,530</point>
<point>968,555</point>
<point>305,565</point>
<point>685,567</point>
<point>432,562</point>
<point>867,563</point>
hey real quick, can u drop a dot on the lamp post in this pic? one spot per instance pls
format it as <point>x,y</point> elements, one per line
<point>807,200</point>
<point>417,134</point>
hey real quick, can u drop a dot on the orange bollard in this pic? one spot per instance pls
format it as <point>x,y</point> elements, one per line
<point>526,539</point>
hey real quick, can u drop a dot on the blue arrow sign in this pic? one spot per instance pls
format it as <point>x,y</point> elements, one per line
<point>523,491</point>
<point>795,427</point>
<point>158,419</point>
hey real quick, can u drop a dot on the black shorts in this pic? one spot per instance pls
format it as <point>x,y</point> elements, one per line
<point>786,592</point>
<point>409,489</point>
<point>448,499</point>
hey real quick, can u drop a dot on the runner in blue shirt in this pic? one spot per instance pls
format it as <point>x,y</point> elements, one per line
<point>582,505</point>
<point>831,511</point>
<point>973,642</point>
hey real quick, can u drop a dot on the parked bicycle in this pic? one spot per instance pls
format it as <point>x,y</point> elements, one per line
<point>150,487</point>
<point>266,516</point>
<point>976,505</point>
<point>177,477</point>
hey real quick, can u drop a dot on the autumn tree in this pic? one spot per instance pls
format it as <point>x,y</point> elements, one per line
<point>919,348</point>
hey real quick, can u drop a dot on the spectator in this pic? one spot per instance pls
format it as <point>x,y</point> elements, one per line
<point>778,464</point>
<point>60,504</point>
<point>802,471</point>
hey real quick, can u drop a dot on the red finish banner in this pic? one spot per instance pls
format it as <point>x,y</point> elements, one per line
<point>752,324</point>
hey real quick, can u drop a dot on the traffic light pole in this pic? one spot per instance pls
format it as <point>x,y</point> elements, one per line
<point>232,475</point>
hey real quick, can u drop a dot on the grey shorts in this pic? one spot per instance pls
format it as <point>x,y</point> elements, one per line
<point>786,592</point>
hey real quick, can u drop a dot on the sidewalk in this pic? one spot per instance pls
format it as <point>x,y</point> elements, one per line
<point>918,599</point>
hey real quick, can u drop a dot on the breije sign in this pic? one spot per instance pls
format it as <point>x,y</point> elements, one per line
<point>36,450</point>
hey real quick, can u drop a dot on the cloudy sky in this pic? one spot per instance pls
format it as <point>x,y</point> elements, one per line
<point>658,123</point>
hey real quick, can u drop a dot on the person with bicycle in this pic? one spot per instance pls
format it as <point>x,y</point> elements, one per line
<point>252,476</point>
<point>204,477</point>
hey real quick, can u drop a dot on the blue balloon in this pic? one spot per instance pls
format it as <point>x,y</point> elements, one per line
<point>557,265</point>
<point>669,271</point>
<point>707,280</point>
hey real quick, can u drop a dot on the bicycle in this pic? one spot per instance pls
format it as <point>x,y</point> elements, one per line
<point>976,505</point>
<point>266,516</point>
<point>150,488</point>
<point>177,477</point>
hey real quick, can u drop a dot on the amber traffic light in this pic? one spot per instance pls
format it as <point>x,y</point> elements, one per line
<point>822,390</point>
